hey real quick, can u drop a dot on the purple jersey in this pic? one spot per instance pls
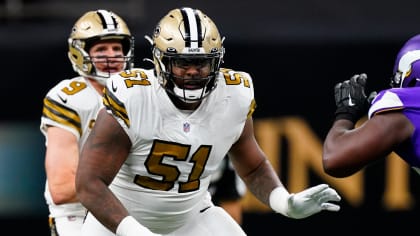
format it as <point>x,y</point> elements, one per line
<point>407,101</point>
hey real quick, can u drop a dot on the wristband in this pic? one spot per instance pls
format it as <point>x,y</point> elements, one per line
<point>347,113</point>
<point>279,200</point>
<point>131,227</point>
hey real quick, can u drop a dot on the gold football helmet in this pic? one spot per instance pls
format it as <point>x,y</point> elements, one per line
<point>187,35</point>
<point>94,26</point>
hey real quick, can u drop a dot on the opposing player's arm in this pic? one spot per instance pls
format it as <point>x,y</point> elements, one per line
<point>347,150</point>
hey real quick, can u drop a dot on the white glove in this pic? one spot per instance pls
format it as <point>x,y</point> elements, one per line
<point>306,203</point>
<point>131,227</point>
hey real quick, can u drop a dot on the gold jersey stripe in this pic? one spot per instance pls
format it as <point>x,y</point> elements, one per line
<point>113,104</point>
<point>61,114</point>
<point>251,108</point>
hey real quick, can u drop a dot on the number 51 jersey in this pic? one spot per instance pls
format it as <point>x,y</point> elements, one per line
<point>174,152</point>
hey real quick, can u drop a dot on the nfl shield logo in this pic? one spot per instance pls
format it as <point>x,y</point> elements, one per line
<point>186,127</point>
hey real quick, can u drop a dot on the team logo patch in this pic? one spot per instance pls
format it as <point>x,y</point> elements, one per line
<point>186,127</point>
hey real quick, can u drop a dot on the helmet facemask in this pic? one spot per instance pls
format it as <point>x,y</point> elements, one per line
<point>189,89</point>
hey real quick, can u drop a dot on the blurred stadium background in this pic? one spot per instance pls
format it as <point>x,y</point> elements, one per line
<point>296,50</point>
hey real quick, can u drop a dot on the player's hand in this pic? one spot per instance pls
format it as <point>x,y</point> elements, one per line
<point>350,98</point>
<point>305,203</point>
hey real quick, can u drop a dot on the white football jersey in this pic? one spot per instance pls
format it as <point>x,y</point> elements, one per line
<point>73,105</point>
<point>173,153</point>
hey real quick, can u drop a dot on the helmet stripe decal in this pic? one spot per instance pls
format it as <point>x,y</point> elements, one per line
<point>405,64</point>
<point>199,32</point>
<point>192,27</point>
<point>108,22</point>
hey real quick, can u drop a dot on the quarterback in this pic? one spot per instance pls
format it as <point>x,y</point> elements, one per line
<point>146,166</point>
<point>100,44</point>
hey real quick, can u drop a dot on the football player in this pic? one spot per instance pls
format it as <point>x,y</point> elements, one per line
<point>393,123</point>
<point>145,168</point>
<point>100,44</point>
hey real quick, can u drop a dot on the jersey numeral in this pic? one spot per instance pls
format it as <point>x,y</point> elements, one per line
<point>234,78</point>
<point>155,164</point>
<point>74,87</point>
<point>134,73</point>
<point>230,78</point>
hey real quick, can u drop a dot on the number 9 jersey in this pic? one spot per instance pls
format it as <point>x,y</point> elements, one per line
<point>72,105</point>
<point>173,152</point>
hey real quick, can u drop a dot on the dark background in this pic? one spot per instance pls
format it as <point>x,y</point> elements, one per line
<point>296,51</point>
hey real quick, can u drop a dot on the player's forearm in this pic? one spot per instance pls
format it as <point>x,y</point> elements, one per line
<point>338,155</point>
<point>102,203</point>
<point>262,181</point>
<point>63,193</point>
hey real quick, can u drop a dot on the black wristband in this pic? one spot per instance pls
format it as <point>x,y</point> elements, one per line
<point>347,113</point>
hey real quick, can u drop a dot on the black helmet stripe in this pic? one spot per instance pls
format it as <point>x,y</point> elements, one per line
<point>108,21</point>
<point>192,25</point>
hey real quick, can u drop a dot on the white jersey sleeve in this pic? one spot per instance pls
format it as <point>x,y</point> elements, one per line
<point>72,105</point>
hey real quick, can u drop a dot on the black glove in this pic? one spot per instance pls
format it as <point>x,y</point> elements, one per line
<point>350,98</point>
